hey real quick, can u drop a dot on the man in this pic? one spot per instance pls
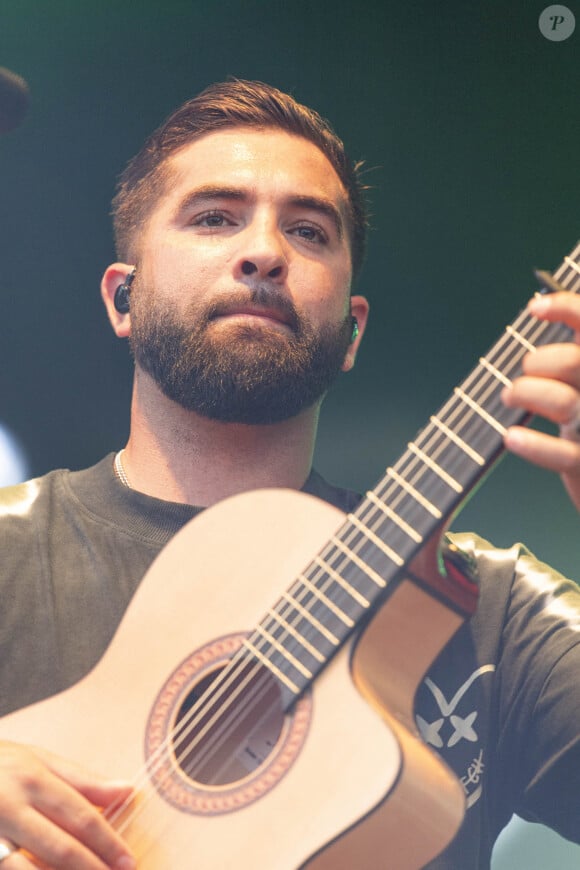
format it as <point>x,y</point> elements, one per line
<point>240,225</point>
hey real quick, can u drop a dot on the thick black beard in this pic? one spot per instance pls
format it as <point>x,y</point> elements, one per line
<point>249,374</point>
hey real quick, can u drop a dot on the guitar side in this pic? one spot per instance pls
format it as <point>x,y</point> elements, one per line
<point>359,785</point>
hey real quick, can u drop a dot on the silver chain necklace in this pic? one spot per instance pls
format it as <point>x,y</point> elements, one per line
<point>120,470</point>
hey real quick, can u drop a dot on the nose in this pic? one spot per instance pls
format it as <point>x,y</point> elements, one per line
<point>262,257</point>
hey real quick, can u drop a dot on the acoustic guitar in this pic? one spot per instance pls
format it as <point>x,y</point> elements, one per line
<point>261,699</point>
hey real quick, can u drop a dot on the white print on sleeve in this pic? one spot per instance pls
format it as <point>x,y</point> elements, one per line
<point>459,729</point>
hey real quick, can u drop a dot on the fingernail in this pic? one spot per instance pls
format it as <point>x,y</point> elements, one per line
<point>125,863</point>
<point>539,305</point>
<point>513,439</point>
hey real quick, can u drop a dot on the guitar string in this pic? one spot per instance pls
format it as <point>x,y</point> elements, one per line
<point>274,623</point>
<point>226,724</point>
<point>409,461</point>
<point>428,435</point>
<point>163,755</point>
<point>366,509</point>
<point>494,384</point>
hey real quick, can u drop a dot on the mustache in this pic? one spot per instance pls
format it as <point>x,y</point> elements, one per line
<point>265,297</point>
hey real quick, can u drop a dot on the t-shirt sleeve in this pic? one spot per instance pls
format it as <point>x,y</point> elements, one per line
<point>538,682</point>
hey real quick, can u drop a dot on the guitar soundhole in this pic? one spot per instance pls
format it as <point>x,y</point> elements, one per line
<point>230,738</point>
<point>216,740</point>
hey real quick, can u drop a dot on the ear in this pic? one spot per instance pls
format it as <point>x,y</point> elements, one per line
<point>359,308</point>
<point>115,274</point>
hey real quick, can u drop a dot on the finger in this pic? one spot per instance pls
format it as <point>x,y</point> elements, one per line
<point>47,845</point>
<point>48,817</point>
<point>99,791</point>
<point>19,861</point>
<point>554,400</point>
<point>82,820</point>
<point>557,361</point>
<point>83,825</point>
<point>7,849</point>
<point>547,451</point>
<point>557,307</point>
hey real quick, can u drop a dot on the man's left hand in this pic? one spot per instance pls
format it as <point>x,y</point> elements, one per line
<point>550,387</point>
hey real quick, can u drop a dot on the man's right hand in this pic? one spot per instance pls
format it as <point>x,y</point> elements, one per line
<point>52,810</point>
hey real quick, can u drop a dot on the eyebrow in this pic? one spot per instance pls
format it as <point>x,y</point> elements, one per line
<point>210,192</point>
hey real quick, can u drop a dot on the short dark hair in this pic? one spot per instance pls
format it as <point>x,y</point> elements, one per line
<point>234,103</point>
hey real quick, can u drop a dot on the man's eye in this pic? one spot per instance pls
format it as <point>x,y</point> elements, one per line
<point>211,220</point>
<point>311,234</point>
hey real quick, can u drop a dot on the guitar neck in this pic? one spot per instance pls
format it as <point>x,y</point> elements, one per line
<point>352,575</point>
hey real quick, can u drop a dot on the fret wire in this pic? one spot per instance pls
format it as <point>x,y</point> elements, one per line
<point>322,573</point>
<point>392,515</point>
<point>328,603</point>
<point>293,602</point>
<point>575,275</point>
<point>514,333</point>
<point>378,542</point>
<point>396,489</point>
<point>466,384</point>
<point>444,446</point>
<point>441,426</point>
<point>533,323</point>
<point>379,581</point>
<point>509,349</point>
<point>291,629</point>
<point>540,326</point>
<point>519,337</point>
<point>340,559</point>
<point>348,588</point>
<point>572,263</point>
<point>479,410</point>
<point>473,454</point>
<point>319,578</point>
<point>349,548</point>
<point>482,392</point>
<point>273,642</point>
<point>458,408</point>
<point>434,511</point>
<point>447,478</point>
<point>530,325</point>
<point>309,616</point>
<point>366,569</point>
<point>367,520</point>
<point>495,372</point>
<point>453,408</point>
<point>277,620</point>
<point>271,666</point>
<point>576,252</point>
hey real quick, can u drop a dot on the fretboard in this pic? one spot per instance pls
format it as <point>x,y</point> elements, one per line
<point>352,575</point>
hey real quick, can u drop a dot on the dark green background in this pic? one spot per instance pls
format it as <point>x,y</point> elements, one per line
<point>468,120</point>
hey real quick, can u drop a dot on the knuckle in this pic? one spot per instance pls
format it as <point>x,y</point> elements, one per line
<point>65,855</point>
<point>88,824</point>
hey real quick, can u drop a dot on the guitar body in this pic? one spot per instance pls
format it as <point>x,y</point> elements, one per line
<point>213,699</point>
<point>337,783</point>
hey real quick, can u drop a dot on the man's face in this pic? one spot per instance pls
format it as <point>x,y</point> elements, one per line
<point>240,309</point>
